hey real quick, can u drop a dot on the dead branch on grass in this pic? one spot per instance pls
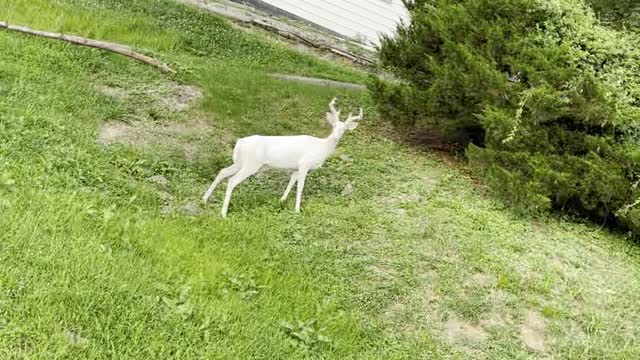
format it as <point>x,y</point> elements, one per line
<point>98,44</point>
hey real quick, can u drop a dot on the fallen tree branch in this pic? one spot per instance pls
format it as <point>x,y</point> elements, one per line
<point>295,36</point>
<point>78,40</point>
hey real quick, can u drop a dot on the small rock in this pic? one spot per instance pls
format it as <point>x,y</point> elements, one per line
<point>400,212</point>
<point>158,179</point>
<point>191,209</point>
<point>348,190</point>
<point>114,92</point>
<point>166,210</point>
<point>165,196</point>
<point>75,339</point>
<point>346,158</point>
<point>411,198</point>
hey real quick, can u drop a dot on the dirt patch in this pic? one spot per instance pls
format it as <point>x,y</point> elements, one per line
<point>114,92</point>
<point>532,331</point>
<point>398,205</point>
<point>113,132</point>
<point>463,333</point>
<point>483,280</point>
<point>495,319</point>
<point>429,311</point>
<point>120,132</point>
<point>164,96</point>
<point>150,119</point>
<point>136,132</point>
<point>405,317</point>
<point>381,271</point>
<point>180,98</point>
<point>498,297</point>
<point>454,329</point>
<point>187,138</point>
<point>556,261</point>
<point>394,311</point>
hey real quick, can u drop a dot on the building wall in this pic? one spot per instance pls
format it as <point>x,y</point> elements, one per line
<point>352,18</point>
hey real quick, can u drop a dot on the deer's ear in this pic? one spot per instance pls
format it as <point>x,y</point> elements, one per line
<point>351,125</point>
<point>331,119</point>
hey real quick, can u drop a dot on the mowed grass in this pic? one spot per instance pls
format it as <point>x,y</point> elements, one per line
<point>96,261</point>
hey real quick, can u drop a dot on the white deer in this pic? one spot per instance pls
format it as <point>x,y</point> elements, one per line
<point>298,153</point>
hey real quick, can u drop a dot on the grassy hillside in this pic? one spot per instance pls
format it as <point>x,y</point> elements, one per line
<point>100,259</point>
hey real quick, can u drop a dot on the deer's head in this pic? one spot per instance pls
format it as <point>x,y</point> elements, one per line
<point>339,127</point>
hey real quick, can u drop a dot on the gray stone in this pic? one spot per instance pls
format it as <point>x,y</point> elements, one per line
<point>158,179</point>
<point>191,209</point>
<point>348,190</point>
<point>165,196</point>
<point>400,212</point>
<point>75,339</point>
<point>346,158</point>
<point>411,198</point>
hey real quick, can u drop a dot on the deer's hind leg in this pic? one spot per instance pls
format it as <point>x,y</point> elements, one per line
<point>292,181</point>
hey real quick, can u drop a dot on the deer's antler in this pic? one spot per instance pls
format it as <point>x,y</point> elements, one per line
<point>355,118</point>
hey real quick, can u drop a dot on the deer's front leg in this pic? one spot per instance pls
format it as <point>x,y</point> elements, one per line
<point>302,175</point>
<point>224,173</point>
<point>294,178</point>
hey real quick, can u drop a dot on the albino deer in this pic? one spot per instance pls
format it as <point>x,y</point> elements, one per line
<point>298,153</point>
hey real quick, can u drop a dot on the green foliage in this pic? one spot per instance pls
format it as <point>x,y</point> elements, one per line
<point>305,333</point>
<point>553,95</point>
<point>625,12</point>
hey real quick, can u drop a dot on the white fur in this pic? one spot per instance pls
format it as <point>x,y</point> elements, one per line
<point>299,153</point>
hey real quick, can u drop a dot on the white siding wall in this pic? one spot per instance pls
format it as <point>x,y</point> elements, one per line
<point>364,18</point>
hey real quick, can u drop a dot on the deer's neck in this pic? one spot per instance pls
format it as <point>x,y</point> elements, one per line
<point>333,139</point>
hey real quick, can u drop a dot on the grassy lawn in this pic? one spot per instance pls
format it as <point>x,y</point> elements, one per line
<point>99,259</point>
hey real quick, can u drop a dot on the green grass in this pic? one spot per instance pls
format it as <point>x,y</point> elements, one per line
<point>416,263</point>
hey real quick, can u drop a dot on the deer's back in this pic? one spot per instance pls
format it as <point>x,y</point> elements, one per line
<point>285,152</point>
